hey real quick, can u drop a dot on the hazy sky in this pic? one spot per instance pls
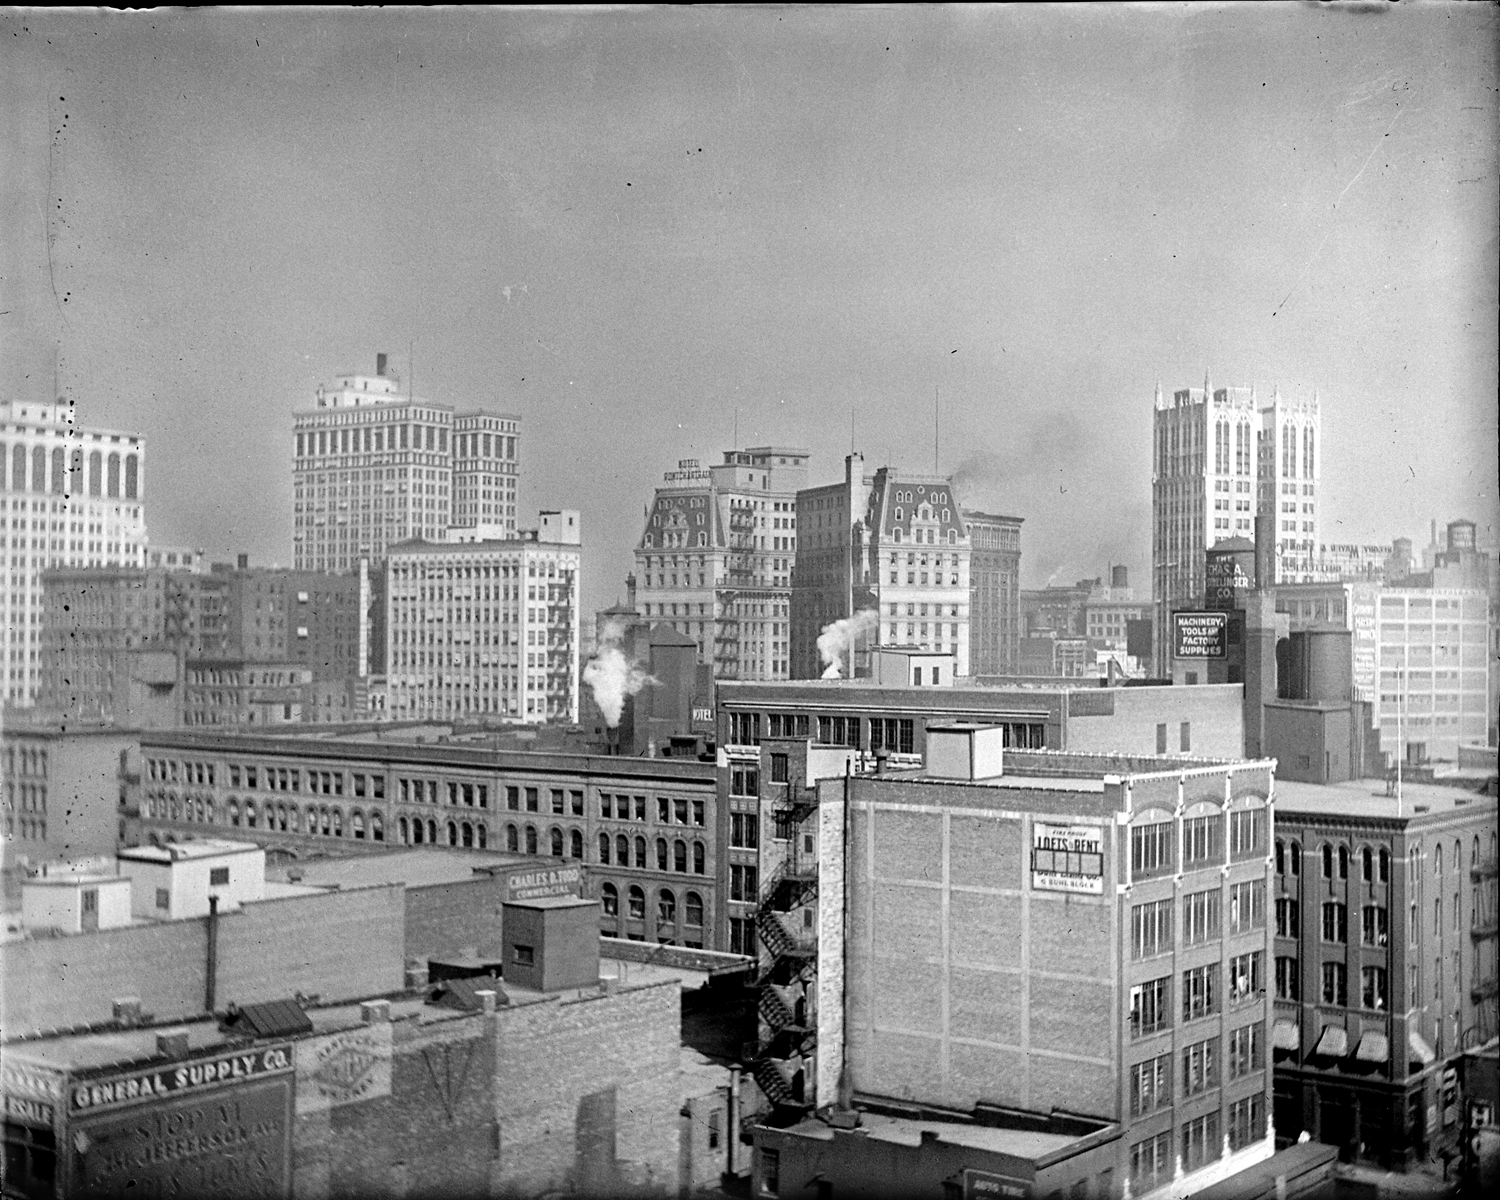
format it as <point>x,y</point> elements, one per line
<point>627,226</point>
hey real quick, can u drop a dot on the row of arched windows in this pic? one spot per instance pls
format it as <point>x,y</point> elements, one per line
<point>666,905</point>
<point>112,475</point>
<point>414,831</point>
<point>1374,865</point>
<point>324,820</point>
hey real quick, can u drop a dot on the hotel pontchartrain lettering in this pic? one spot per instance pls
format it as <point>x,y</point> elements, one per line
<point>1067,858</point>
<point>137,1086</point>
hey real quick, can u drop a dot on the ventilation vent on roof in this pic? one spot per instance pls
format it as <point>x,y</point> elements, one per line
<point>275,1018</point>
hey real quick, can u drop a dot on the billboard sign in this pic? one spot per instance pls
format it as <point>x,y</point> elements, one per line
<point>1067,858</point>
<point>1224,573</point>
<point>1200,634</point>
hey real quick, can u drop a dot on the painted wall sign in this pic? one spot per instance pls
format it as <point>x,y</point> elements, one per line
<point>1067,858</point>
<point>343,1068</point>
<point>530,884</point>
<point>231,1142</point>
<point>1200,634</point>
<point>89,1095</point>
<point>986,1185</point>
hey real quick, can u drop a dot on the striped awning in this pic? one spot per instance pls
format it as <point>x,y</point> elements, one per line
<point>1286,1035</point>
<point>1420,1050</point>
<point>1373,1048</point>
<point>1333,1042</point>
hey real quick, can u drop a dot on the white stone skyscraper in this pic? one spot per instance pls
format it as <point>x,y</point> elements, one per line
<point>1291,438</point>
<point>71,497</point>
<point>375,465</point>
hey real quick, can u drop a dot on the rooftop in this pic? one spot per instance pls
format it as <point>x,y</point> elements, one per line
<point>427,867</point>
<point>1367,798</point>
<point>184,851</point>
<point>908,1131</point>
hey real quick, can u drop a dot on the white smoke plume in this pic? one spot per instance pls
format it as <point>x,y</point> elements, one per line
<point>612,676</point>
<point>836,642</point>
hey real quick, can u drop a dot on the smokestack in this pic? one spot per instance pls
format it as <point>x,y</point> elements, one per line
<point>380,365</point>
<point>242,562</point>
<point>1265,551</point>
<point>1119,577</point>
<point>210,990</point>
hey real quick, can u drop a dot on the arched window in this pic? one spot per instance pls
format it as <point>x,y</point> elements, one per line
<point>210,810</point>
<point>234,811</point>
<point>1343,862</point>
<point>75,473</point>
<point>132,476</point>
<point>377,827</point>
<point>357,824</point>
<point>1458,856</point>
<point>575,844</point>
<point>637,899</point>
<point>39,469</point>
<point>531,839</point>
<point>403,830</point>
<point>698,856</point>
<point>432,832</point>
<point>1296,857</point>
<point>694,914</point>
<point>96,472</point>
<point>468,835</point>
<point>1385,865</point>
<point>249,813</point>
<point>338,822</point>
<point>57,469</point>
<point>679,855</point>
<point>1367,865</point>
<point>114,476</point>
<point>622,850</point>
<point>416,832</point>
<point>661,854</point>
<point>18,469</point>
<point>512,838</point>
<point>556,840</point>
<point>666,908</point>
<point>640,852</point>
<point>452,833</point>
<point>1327,861</point>
<point>1437,859</point>
<point>604,848</point>
<point>1280,846</point>
<point>609,898</point>
<point>482,834</point>
<point>281,817</point>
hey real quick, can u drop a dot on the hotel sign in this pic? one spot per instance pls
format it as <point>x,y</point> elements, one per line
<point>1067,858</point>
<point>1200,634</point>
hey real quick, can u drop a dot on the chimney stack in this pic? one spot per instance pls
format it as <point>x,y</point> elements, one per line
<point>380,365</point>
<point>242,562</point>
<point>1119,577</point>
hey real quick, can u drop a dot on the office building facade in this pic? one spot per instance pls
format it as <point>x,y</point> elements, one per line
<point>715,559</point>
<point>994,593</point>
<point>72,497</point>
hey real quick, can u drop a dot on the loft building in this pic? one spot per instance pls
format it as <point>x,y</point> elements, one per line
<point>374,466</point>
<point>1384,909</point>
<point>70,497</point>
<point>890,545</point>
<point>994,593</point>
<point>715,560</point>
<point>1009,935</point>
<point>486,627</point>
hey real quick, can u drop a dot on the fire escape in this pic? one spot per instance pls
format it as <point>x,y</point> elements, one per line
<point>739,576</point>
<point>786,926</point>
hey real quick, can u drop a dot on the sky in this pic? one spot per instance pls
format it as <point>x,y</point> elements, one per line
<point>982,234</point>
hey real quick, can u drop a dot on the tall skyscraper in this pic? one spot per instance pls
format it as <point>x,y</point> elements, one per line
<point>1216,462</point>
<point>375,465</point>
<point>994,594</point>
<point>715,559</point>
<point>69,497</point>
<point>888,544</point>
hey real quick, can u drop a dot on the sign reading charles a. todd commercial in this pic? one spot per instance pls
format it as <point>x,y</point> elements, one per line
<point>1067,858</point>
<point>134,1087</point>
<point>532,884</point>
<point>1200,634</point>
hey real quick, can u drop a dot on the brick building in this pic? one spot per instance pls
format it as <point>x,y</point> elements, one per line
<point>1038,932</point>
<point>63,788</point>
<point>994,593</point>
<point>647,829</point>
<point>1385,963</point>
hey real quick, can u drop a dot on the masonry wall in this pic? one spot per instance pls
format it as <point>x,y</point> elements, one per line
<point>445,919</point>
<point>965,983</point>
<point>586,1092</point>
<point>1214,712</point>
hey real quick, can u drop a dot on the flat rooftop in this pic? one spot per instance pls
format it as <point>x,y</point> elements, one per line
<point>186,851</point>
<point>426,867</point>
<point>1040,783</point>
<point>1367,798</point>
<point>907,1131</point>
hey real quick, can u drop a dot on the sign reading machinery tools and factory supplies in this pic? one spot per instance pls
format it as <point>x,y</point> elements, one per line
<point>1200,634</point>
<point>1067,858</point>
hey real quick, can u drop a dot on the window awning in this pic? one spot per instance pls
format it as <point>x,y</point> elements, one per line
<point>1285,1035</point>
<point>1333,1042</point>
<point>1373,1048</point>
<point>1420,1050</point>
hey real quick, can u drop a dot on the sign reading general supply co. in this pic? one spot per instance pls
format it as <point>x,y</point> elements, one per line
<point>132,1088</point>
<point>1200,634</point>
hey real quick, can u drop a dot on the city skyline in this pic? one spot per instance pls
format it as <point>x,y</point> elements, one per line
<point>663,234</point>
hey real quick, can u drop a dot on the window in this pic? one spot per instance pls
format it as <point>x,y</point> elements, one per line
<point>663,810</point>
<point>1280,857</point>
<point>1247,1050</point>
<point>1151,1162</point>
<point>694,905</point>
<point>680,811</point>
<point>637,901</point>
<point>609,897</point>
<point>1247,833</point>
<point>770,1172</point>
<point>1148,1007</point>
<point>531,839</point>
<point>1367,865</point>
<point>741,935</point>
<point>1294,858</point>
<point>1247,975</point>
<point>1288,921</point>
<point>512,797</point>
<point>1343,862</point>
<point>1185,739</point>
<point>743,883</point>
<point>666,908</point>
<point>218,877</point>
<point>744,781</point>
<point>523,955</point>
<point>1150,1085</point>
<point>1335,984</point>
<point>531,800</point>
<point>1151,850</point>
<point>698,858</point>
<point>894,734</point>
<point>699,818</point>
<point>1335,922</point>
<point>1200,992</point>
<point>1326,853</point>
<point>1247,906</point>
<point>1247,1121</point>
<point>1372,925</point>
<point>163,898</point>
<point>1151,929</point>
<point>778,768</point>
<point>1200,1070</point>
<point>1372,988</point>
<point>1200,1141</point>
<point>640,852</point>
<point>1161,738</point>
<point>1200,917</point>
<point>576,803</point>
<point>1288,979</point>
<point>661,854</point>
<point>575,843</point>
<point>1203,840</point>
<point>679,855</point>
